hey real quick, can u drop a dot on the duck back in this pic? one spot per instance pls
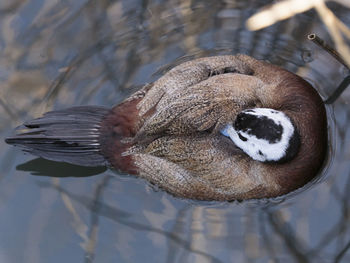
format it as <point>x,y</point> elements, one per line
<point>169,132</point>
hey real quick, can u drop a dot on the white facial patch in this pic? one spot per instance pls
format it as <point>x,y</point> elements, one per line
<point>264,134</point>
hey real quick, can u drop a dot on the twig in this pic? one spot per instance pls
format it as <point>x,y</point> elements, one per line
<point>338,91</point>
<point>330,21</point>
<point>321,43</point>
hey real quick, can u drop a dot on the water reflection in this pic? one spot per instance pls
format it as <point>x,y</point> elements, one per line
<point>42,167</point>
<point>56,54</point>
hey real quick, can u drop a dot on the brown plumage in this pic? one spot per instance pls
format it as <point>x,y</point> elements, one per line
<point>168,132</point>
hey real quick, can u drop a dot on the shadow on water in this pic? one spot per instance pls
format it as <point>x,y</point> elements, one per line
<point>56,54</point>
<point>42,167</point>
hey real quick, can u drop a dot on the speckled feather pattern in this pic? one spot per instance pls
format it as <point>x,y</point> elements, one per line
<point>188,156</point>
<point>170,131</point>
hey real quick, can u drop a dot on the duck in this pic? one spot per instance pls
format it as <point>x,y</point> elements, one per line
<point>218,128</point>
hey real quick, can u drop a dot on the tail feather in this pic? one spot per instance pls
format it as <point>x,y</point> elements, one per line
<point>70,135</point>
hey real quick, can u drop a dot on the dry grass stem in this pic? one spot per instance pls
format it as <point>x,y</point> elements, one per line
<point>288,8</point>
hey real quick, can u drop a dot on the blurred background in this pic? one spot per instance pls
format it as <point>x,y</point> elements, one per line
<point>56,54</point>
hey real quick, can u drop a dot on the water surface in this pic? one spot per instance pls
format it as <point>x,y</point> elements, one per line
<point>56,54</point>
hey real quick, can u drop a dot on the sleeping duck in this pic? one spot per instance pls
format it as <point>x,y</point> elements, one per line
<point>215,128</point>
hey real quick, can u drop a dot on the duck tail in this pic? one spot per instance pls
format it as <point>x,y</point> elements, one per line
<point>71,135</point>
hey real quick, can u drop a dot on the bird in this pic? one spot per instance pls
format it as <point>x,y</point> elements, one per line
<point>219,128</point>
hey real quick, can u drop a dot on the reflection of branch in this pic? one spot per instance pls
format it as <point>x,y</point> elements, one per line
<point>340,228</point>
<point>79,226</point>
<point>288,8</point>
<point>267,240</point>
<point>7,109</point>
<point>178,228</point>
<point>123,218</point>
<point>95,209</point>
<point>175,238</point>
<point>71,68</point>
<point>342,253</point>
<point>291,241</point>
<point>10,7</point>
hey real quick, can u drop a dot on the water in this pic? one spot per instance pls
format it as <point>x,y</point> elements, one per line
<point>56,54</point>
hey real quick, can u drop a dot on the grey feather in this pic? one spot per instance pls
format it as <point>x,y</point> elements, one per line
<point>70,135</point>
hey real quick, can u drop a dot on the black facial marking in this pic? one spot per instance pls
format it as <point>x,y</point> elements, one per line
<point>260,153</point>
<point>222,71</point>
<point>229,70</point>
<point>242,137</point>
<point>293,148</point>
<point>260,126</point>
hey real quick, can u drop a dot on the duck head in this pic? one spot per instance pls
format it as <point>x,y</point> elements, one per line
<point>266,135</point>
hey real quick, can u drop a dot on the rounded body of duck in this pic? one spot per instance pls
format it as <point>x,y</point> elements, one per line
<point>174,132</point>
